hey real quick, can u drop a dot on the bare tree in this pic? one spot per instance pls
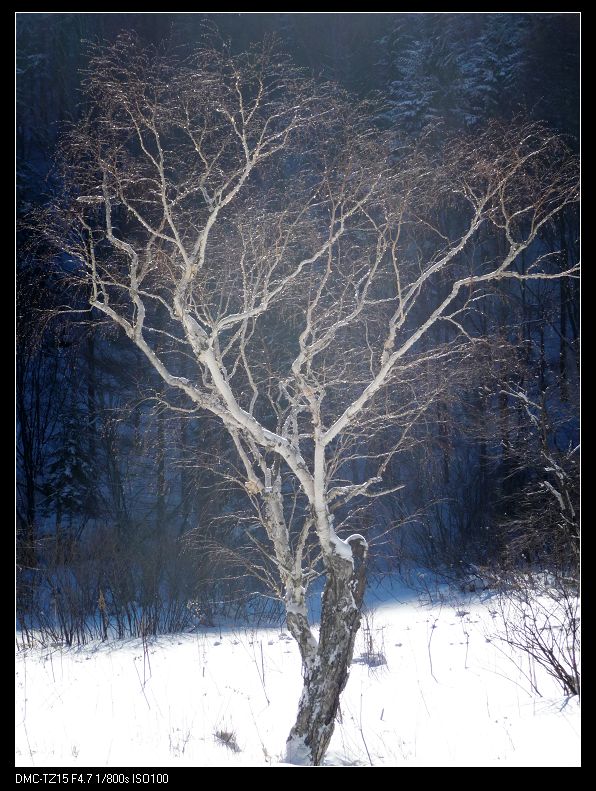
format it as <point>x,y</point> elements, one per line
<point>241,222</point>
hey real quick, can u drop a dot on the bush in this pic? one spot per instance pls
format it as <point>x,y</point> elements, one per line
<point>541,617</point>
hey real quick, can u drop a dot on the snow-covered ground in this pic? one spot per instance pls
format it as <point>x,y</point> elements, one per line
<point>446,695</point>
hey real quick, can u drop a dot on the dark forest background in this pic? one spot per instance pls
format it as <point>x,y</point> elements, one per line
<point>113,504</point>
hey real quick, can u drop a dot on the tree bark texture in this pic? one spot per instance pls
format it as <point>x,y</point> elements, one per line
<point>327,675</point>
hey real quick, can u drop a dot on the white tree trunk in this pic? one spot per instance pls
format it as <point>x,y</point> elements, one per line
<point>326,673</point>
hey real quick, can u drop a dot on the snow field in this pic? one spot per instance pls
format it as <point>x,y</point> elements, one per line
<point>429,686</point>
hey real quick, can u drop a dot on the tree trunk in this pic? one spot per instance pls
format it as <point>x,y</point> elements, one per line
<point>326,676</point>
